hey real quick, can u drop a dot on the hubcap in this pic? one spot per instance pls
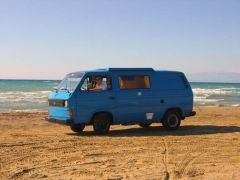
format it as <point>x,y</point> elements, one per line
<point>103,124</point>
<point>172,120</point>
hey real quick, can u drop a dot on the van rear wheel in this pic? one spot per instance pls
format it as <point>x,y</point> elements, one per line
<point>101,123</point>
<point>77,127</point>
<point>171,120</point>
<point>144,125</point>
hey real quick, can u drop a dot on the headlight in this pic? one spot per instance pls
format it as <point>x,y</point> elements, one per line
<point>66,104</point>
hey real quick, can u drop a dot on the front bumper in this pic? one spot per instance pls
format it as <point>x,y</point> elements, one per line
<point>58,121</point>
<point>193,113</point>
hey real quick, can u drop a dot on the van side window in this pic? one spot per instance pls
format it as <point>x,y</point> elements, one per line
<point>97,83</point>
<point>134,82</point>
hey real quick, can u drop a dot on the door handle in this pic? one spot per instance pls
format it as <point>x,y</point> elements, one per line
<point>112,97</point>
<point>162,101</point>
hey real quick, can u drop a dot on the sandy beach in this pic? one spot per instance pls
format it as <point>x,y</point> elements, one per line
<point>205,147</point>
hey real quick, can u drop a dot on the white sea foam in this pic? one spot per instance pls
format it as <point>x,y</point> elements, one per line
<point>20,96</point>
<point>236,105</point>
<point>218,91</point>
<point>22,110</point>
<point>203,99</point>
<point>215,96</point>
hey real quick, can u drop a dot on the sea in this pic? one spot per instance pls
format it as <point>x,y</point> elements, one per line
<point>31,95</point>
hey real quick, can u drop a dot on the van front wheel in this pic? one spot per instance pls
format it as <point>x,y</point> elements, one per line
<point>77,127</point>
<point>101,123</point>
<point>171,120</point>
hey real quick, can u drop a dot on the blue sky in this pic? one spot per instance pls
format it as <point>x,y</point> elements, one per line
<point>47,39</point>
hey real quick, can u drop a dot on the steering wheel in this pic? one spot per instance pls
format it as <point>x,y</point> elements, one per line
<point>84,89</point>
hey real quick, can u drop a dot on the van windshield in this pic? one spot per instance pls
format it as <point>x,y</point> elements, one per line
<point>70,82</point>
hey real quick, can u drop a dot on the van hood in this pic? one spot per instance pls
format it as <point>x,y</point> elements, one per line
<point>60,95</point>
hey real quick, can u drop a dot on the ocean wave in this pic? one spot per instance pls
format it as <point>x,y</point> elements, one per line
<point>21,96</point>
<point>206,99</point>
<point>236,105</point>
<point>225,95</point>
<point>218,91</point>
<point>22,110</point>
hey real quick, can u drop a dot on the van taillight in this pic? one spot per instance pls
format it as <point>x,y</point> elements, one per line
<point>70,113</point>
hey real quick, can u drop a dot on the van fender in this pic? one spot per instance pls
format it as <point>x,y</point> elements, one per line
<point>177,109</point>
<point>101,111</point>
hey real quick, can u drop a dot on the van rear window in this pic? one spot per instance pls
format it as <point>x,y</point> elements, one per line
<point>134,82</point>
<point>184,81</point>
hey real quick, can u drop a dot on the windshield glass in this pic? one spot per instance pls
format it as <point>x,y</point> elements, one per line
<point>70,82</point>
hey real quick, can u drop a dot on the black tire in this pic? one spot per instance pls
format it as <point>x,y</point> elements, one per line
<point>77,127</point>
<point>171,120</point>
<point>101,123</point>
<point>144,125</point>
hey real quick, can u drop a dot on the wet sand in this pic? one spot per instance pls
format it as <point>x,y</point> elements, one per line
<point>205,147</point>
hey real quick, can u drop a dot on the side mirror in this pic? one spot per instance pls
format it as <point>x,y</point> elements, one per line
<point>56,89</point>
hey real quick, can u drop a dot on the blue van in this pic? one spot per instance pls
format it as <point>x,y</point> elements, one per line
<point>126,96</point>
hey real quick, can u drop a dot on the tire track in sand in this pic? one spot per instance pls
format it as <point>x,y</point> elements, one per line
<point>185,163</point>
<point>165,161</point>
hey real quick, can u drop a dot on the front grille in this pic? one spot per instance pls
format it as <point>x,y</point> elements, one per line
<point>58,103</point>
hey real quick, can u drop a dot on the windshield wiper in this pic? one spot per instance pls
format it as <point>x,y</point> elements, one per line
<point>64,89</point>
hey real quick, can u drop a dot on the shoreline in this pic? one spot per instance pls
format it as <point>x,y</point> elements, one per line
<point>24,111</point>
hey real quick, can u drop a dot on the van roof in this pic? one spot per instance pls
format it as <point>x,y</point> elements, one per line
<point>115,69</point>
<point>124,69</point>
<point>130,69</point>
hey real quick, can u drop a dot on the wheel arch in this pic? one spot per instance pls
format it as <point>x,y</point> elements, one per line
<point>176,109</point>
<point>102,112</point>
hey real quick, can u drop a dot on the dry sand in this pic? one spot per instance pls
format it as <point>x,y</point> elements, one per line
<point>205,147</point>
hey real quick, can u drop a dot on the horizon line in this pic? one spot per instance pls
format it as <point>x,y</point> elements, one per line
<point>62,79</point>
